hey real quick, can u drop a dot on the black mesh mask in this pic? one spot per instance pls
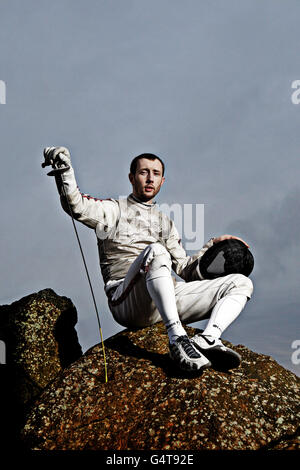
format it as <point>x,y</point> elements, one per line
<point>226,257</point>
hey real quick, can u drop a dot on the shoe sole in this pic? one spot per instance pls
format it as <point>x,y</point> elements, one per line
<point>189,368</point>
<point>223,359</point>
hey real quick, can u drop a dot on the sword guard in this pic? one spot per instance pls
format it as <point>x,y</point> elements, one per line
<point>58,171</point>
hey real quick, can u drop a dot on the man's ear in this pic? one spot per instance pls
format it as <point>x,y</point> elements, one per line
<point>131,178</point>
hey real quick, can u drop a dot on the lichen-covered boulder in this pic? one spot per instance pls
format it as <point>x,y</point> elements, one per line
<point>147,404</point>
<point>40,337</point>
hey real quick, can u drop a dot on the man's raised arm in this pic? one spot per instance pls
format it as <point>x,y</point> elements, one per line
<point>86,209</point>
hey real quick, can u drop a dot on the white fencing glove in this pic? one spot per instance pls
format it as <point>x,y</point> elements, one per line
<point>58,156</point>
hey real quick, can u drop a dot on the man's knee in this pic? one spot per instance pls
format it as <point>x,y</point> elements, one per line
<point>242,284</point>
<point>156,256</point>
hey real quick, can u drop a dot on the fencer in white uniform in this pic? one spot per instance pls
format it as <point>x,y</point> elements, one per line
<point>139,247</point>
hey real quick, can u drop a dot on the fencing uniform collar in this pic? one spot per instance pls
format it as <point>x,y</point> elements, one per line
<point>132,197</point>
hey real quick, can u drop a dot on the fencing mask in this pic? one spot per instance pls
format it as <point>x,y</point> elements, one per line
<point>226,257</point>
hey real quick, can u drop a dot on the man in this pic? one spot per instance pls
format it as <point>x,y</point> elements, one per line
<point>138,248</point>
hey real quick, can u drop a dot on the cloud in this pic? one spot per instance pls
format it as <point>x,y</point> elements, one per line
<point>273,233</point>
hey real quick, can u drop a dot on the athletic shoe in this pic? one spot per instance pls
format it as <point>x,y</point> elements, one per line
<point>185,355</point>
<point>219,355</point>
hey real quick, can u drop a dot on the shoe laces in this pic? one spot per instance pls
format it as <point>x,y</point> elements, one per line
<point>188,347</point>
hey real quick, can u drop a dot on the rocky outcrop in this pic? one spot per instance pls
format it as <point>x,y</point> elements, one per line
<point>40,338</point>
<point>58,399</point>
<point>148,404</point>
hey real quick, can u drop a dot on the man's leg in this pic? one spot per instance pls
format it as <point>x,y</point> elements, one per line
<point>150,293</point>
<point>222,300</point>
<point>224,313</point>
<point>196,300</point>
<point>147,295</point>
<point>160,286</point>
<point>209,342</point>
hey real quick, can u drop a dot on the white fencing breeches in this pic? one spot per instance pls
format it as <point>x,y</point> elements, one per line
<point>132,302</point>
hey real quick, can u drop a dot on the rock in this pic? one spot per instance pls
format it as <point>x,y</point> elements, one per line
<point>147,404</point>
<point>40,339</point>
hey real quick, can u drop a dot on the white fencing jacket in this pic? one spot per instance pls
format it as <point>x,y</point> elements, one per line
<point>124,228</point>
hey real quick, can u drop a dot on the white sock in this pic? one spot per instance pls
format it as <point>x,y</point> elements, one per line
<point>161,290</point>
<point>174,330</point>
<point>224,313</point>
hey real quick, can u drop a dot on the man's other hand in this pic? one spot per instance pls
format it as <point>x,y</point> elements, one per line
<point>228,237</point>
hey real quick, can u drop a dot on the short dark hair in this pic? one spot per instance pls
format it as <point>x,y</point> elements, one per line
<point>148,156</point>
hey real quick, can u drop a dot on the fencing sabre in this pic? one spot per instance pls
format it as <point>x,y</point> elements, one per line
<point>57,171</point>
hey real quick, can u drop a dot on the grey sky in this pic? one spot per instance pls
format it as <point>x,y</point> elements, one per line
<point>204,84</point>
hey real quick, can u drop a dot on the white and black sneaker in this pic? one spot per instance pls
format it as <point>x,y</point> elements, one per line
<point>185,355</point>
<point>219,355</point>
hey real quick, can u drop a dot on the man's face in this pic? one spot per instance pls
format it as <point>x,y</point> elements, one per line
<point>147,180</point>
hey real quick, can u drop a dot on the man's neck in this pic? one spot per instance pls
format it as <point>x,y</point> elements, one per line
<point>146,203</point>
